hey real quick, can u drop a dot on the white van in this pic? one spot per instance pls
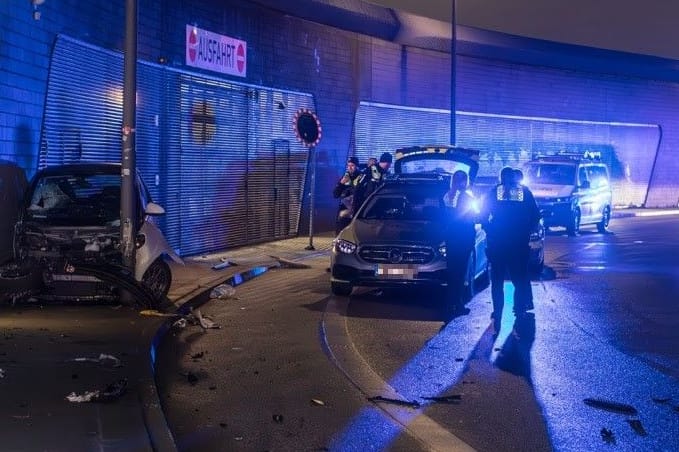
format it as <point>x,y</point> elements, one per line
<point>571,191</point>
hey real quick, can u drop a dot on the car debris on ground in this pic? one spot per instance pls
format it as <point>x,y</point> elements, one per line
<point>110,393</point>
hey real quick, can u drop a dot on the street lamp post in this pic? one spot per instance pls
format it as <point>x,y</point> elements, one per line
<point>128,200</point>
<point>453,72</point>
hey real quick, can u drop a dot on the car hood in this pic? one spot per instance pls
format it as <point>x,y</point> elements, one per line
<point>551,191</point>
<point>372,231</point>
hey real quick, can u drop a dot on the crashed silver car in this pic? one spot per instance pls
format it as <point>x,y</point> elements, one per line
<point>69,234</point>
<point>397,237</point>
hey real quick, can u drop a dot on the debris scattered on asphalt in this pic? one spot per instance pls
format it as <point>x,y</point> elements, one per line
<point>452,399</point>
<point>285,263</point>
<point>111,392</point>
<point>181,323</point>
<point>102,359</point>
<point>317,402</point>
<point>278,418</point>
<point>223,292</point>
<point>223,264</point>
<point>607,435</point>
<point>662,399</point>
<point>205,322</point>
<point>191,378</point>
<point>156,313</point>
<point>238,438</point>
<point>2,373</point>
<point>637,427</point>
<point>615,407</point>
<point>411,404</point>
<point>198,355</point>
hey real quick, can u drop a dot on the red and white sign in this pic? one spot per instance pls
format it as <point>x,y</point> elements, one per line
<point>215,52</point>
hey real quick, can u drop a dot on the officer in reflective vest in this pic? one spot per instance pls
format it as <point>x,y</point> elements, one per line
<point>509,215</point>
<point>344,190</point>
<point>463,215</point>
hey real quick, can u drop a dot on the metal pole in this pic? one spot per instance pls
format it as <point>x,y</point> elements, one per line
<point>453,73</point>
<point>128,199</point>
<point>312,192</point>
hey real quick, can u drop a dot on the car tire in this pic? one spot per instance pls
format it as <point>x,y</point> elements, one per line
<point>602,226</point>
<point>573,228</point>
<point>341,289</point>
<point>158,278</point>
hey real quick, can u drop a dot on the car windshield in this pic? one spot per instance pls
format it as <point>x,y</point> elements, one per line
<point>406,205</point>
<point>549,173</point>
<point>76,200</point>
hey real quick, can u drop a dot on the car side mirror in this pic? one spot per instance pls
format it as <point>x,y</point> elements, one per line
<point>154,209</point>
<point>585,184</point>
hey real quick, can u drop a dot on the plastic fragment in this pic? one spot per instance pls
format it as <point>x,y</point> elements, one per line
<point>637,426</point>
<point>156,313</point>
<point>101,360</point>
<point>222,292</point>
<point>453,399</point>
<point>110,393</point>
<point>615,407</point>
<point>317,402</point>
<point>411,404</point>
<point>278,418</point>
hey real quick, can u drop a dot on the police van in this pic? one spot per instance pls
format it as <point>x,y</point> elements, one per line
<point>571,190</point>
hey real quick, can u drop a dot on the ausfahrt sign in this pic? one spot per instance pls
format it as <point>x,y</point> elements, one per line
<point>215,52</point>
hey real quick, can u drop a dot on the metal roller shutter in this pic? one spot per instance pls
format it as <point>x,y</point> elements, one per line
<point>219,156</point>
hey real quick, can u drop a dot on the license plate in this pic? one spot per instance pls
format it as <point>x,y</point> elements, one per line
<point>395,271</point>
<point>77,278</point>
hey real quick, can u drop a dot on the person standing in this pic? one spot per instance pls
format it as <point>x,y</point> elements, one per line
<point>373,176</point>
<point>460,238</point>
<point>510,214</point>
<point>344,191</point>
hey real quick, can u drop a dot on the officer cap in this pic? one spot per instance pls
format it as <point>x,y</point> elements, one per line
<point>385,157</point>
<point>353,160</point>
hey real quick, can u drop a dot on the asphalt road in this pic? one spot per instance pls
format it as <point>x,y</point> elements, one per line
<point>292,368</point>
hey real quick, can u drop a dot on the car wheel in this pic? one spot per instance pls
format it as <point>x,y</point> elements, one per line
<point>574,226</point>
<point>158,278</point>
<point>602,226</point>
<point>341,289</point>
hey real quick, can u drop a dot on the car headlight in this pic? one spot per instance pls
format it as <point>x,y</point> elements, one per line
<point>344,246</point>
<point>443,249</point>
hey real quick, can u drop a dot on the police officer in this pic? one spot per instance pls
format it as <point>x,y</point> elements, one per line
<point>460,238</point>
<point>373,176</point>
<point>344,191</point>
<point>509,215</point>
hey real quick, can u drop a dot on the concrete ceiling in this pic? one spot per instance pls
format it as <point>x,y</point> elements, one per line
<point>647,28</point>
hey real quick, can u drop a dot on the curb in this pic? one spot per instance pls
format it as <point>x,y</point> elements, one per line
<point>159,432</point>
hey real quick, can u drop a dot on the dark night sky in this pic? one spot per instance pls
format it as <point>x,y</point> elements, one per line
<point>648,27</point>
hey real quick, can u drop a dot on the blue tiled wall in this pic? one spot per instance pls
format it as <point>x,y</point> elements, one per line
<point>339,68</point>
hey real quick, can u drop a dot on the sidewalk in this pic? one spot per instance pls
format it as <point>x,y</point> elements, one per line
<point>193,281</point>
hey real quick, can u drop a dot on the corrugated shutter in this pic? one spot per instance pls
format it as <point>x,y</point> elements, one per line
<point>219,156</point>
<point>628,149</point>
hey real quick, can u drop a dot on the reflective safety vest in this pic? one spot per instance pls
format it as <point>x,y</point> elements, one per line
<point>511,194</point>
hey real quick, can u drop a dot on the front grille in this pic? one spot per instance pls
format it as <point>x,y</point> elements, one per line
<point>380,254</point>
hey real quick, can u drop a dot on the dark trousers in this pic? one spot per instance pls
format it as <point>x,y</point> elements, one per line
<point>457,259</point>
<point>510,262</point>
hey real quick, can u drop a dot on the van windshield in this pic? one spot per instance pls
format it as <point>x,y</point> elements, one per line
<point>549,173</point>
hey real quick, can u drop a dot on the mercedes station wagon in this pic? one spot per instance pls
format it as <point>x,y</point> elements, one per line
<point>397,237</point>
